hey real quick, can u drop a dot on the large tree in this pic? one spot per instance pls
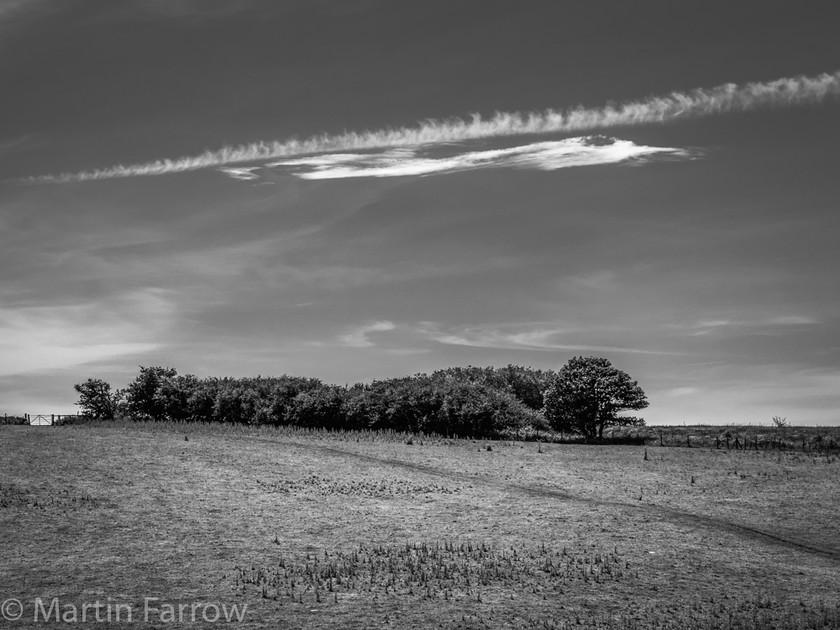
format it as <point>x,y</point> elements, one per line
<point>587,394</point>
<point>96,399</point>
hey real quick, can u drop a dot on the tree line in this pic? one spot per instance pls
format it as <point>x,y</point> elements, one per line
<point>584,396</point>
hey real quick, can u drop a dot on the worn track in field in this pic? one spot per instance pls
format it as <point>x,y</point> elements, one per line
<point>665,512</point>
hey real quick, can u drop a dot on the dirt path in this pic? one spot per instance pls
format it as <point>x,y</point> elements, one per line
<point>665,512</point>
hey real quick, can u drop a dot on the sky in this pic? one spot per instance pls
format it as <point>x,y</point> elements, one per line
<point>360,189</point>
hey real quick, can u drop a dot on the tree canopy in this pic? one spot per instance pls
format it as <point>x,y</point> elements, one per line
<point>587,394</point>
<point>476,402</point>
<point>96,399</point>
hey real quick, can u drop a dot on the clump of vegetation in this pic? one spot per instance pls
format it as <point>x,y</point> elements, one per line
<point>490,402</point>
<point>447,570</point>
<point>779,422</point>
<point>15,496</point>
<point>379,488</point>
<point>478,577</point>
<point>13,420</point>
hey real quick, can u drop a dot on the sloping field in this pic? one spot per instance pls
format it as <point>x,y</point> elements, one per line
<point>317,530</point>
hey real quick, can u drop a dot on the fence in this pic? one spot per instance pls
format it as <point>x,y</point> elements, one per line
<point>741,440</point>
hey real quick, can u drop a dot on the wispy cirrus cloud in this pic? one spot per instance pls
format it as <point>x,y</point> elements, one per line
<point>38,338</point>
<point>15,143</point>
<point>524,337</point>
<point>700,102</point>
<point>764,325</point>
<point>532,336</point>
<point>242,173</point>
<point>585,151</point>
<point>358,337</point>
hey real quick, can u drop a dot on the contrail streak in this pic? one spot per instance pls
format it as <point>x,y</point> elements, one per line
<point>729,97</point>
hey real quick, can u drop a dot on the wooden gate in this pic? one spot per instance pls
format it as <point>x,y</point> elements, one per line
<point>46,419</point>
<point>41,419</point>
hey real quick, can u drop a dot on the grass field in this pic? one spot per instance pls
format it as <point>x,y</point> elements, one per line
<point>363,530</point>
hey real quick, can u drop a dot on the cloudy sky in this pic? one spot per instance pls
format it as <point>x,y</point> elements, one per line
<point>357,189</point>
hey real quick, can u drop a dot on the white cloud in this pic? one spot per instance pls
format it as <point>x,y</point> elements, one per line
<point>585,151</point>
<point>38,338</point>
<point>358,337</point>
<point>729,97</point>
<point>245,173</point>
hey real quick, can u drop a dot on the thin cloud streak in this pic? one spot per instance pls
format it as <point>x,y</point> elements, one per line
<point>521,337</point>
<point>358,338</point>
<point>525,337</point>
<point>767,324</point>
<point>700,102</point>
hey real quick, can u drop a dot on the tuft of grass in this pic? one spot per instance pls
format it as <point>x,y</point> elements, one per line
<point>445,569</point>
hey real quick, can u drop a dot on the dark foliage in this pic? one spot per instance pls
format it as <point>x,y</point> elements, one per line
<point>7,420</point>
<point>588,393</point>
<point>525,384</point>
<point>475,402</point>
<point>466,402</point>
<point>96,399</point>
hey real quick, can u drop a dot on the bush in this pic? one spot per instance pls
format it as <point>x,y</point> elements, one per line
<point>476,402</point>
<point>13,420</point>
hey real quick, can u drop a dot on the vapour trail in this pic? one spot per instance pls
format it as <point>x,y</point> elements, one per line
<point>729,97</point>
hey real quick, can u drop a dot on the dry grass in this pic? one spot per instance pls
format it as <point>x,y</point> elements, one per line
<point>319,530</point>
